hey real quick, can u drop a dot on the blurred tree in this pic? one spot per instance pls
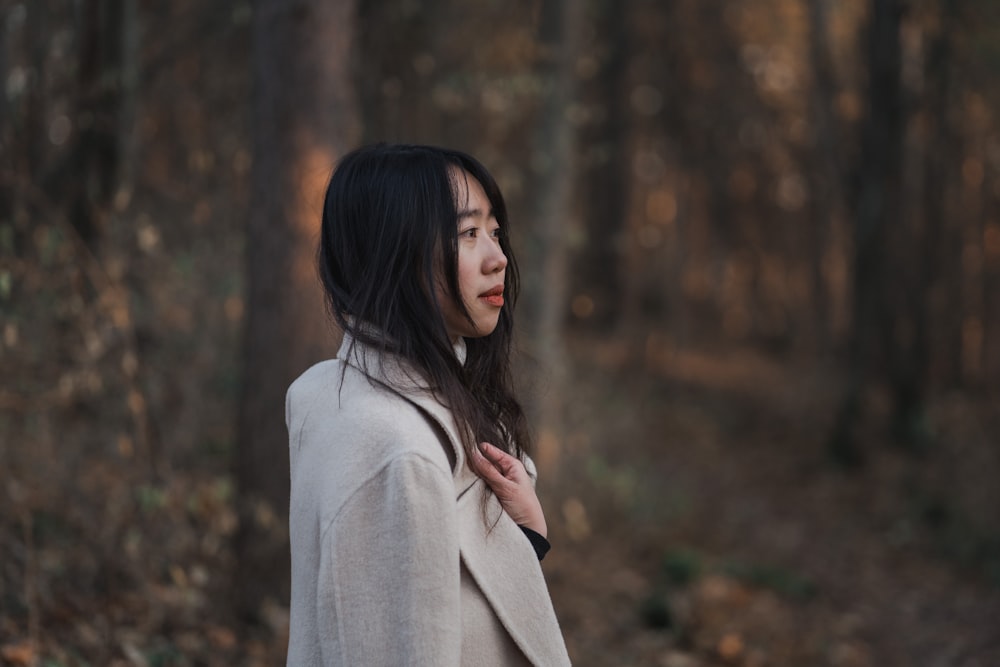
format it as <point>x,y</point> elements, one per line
<point>395,39</point>
<point>102,98</point>
<point>32,138</point>
<point>827,182</point>
<point>910,371</point>
<point>306,117</point>
<point>876,209</point>
<point>603,186</point>
<point>560,35</point>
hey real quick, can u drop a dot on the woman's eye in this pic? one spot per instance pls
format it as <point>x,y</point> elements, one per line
<point>468,233</point>
<point>497,233</point>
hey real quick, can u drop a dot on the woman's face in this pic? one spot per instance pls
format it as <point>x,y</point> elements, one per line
<point>481,264</point>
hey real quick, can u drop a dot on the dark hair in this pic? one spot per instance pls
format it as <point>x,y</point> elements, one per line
<point>390,225</point>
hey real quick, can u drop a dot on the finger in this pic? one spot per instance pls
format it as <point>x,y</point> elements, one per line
<point>507,464</point>
<point>494,454</point>
<point>487,470</point>
<point>499,484</point>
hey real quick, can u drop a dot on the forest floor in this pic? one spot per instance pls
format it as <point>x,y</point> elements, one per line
<point>696,520</point>
<point>708,525</point>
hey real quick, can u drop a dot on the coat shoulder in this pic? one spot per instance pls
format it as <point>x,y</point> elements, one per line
<point>336,408</point>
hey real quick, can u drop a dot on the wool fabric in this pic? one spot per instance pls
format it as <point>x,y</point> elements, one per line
<point>393,561</point>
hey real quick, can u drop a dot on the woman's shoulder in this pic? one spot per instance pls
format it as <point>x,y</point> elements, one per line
<point>316,377</point>
<point>336,402</point>
<point>341,388</point>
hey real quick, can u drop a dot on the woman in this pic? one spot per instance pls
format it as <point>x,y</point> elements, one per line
<point>415,529</point>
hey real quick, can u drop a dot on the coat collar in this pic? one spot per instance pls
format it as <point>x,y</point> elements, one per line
<point>399,376</point>
<point>498,556</point>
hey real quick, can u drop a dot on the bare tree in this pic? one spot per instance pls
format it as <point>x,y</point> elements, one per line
<point>597,271</point>
<point>911,362</point>
<point>561,29</point>
<point>305,118</point>
<point>876,208</point>
<point>827,183</point>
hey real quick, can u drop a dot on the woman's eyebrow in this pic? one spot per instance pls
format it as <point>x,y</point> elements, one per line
<point>474,213</point>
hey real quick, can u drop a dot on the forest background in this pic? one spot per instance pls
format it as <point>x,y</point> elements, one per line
<point>759,336</point>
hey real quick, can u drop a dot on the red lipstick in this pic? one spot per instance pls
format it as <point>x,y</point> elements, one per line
<point>494,297</point>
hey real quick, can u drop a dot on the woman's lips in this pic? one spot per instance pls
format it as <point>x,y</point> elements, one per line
<point>494,297</point>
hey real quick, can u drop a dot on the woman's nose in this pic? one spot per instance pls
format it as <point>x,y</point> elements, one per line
<point>496,260</point>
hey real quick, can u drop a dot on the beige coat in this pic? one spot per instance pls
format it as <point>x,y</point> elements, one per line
<point>392,562</point>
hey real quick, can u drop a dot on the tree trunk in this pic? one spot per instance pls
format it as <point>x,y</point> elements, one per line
<point>562,24</point>
<point>32,122</point>
<point>912,369</point>
<point>877,207</point>
<point>130,39</point>
<point>93,170</point>
<point>991,292</point>
<point>305,118</point>
<point>604,189</point>
<point>827,179</point>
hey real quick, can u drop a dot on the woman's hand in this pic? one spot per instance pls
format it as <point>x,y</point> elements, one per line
<point>505,474</point>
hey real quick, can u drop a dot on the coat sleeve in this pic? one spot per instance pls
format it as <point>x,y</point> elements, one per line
<point>388,589</point>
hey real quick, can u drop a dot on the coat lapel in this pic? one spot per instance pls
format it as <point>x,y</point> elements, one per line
<point>499,557</point>
<point>493,548</point>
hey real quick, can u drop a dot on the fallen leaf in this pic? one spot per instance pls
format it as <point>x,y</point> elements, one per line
<point>19,653</point>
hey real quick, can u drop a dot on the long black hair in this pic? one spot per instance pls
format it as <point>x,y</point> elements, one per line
<point>390,229</point>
